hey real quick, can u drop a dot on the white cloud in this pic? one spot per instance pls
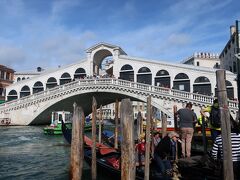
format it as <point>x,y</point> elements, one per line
<point>10,55</point>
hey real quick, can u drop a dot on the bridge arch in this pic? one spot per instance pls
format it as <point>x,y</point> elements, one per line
<point>98,58</point>
<point>51,83</point>
<point>230,90</point>
<point>84,99</point>
<point>12,95</point>
<point>126,73</point>
<point>65,78</point>
<point>163,79</point>
<point>144,76</point>
<point>25,91</point>
<point>181,82</point>
<point>37,87</point>
<point>80,73</point>
<point>202,85</point>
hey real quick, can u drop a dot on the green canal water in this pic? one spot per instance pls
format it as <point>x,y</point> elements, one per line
<point>27,154</point>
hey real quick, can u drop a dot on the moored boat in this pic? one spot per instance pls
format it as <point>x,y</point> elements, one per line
<point>55,128</point>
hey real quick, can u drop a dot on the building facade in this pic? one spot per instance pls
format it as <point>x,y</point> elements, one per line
<point>6,79</point>
<point>228,59</point>
<point>204,59</point>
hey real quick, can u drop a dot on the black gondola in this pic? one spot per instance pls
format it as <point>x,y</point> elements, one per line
<point>197,170</point>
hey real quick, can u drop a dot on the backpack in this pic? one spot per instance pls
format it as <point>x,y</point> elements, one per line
<point>214,117</point>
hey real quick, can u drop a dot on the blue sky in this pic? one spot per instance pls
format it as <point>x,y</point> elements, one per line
<point>49,33</point>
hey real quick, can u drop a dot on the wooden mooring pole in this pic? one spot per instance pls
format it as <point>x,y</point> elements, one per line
<point>116,125</point>
<point>175,118</point>
<point>225,125</point>
<point>94,113</point>
<point>128,164</point>
<point>164,125</point>
<point>139,117</point>
<point>77,151</point>
<point>100,121</point>
<point>148,139</point>
<point>204,135</point>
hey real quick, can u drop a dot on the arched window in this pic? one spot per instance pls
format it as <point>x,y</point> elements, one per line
<point>51,83</point>
<point>23,78</point>
<point>181,82</point>
<point>65,78</point>
<point>25,91</point>
<point>80,73</point>
<point>162,79</point>
<point>37,87</point>
<point>202,85</point>
<point>230,90</point>
<point>127,73</point>
<point>18,79</point>
<point>12,95</point>
<point>144,76</point>
<point>126,67</point>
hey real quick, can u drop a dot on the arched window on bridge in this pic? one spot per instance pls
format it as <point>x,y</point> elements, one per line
<point>25,91</point>
<point>23,78</point>
<point>202,85</point>
<point>181,82</point>
<point>51,83</point>
<point>144,76</point>
<point>162,79</point>
<point>230,90</point>
<point>18,79</point>
<point>12,95</point>
<point>80,73</point>
<point>65,78</point>
<point>127,73</point>
<point>38,87</point>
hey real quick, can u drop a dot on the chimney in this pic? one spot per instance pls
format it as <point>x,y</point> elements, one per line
<point>232,30</point>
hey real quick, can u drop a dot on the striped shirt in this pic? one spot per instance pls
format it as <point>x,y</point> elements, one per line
<point>217,146</point>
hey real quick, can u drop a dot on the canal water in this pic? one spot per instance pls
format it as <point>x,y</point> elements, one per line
<point>27,154</point>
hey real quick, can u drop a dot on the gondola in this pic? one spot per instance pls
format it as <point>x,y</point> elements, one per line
<point>108,162</point>
<point>108,158</point>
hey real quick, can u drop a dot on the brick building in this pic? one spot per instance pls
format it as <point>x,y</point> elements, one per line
<point>6,78</point>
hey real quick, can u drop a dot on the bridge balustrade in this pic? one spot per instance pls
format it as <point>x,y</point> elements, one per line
<point>159,91</point>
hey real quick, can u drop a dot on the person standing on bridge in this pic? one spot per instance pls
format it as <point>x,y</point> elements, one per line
<point>186,120</point>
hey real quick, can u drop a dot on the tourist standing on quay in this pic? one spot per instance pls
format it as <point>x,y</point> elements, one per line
<point>186,120</point>
<point>214,119</point>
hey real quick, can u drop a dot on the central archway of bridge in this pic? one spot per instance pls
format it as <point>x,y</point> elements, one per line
<point>85,101</point>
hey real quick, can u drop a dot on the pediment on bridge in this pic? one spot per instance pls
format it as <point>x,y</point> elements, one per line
<point>103,45</point>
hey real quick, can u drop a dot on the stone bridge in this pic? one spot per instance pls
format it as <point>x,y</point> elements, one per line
<point>35,109</point>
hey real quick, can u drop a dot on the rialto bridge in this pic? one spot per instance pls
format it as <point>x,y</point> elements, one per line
<point>108,73</point>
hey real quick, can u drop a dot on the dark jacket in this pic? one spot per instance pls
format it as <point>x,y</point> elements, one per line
<point>166,148</point>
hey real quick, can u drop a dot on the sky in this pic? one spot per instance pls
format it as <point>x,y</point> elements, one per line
<point>52,33</point>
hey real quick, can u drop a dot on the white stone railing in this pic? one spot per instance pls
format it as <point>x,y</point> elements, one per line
<point>161,92</point>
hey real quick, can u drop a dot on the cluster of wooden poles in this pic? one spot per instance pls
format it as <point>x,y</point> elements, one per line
<point>128,165</point>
